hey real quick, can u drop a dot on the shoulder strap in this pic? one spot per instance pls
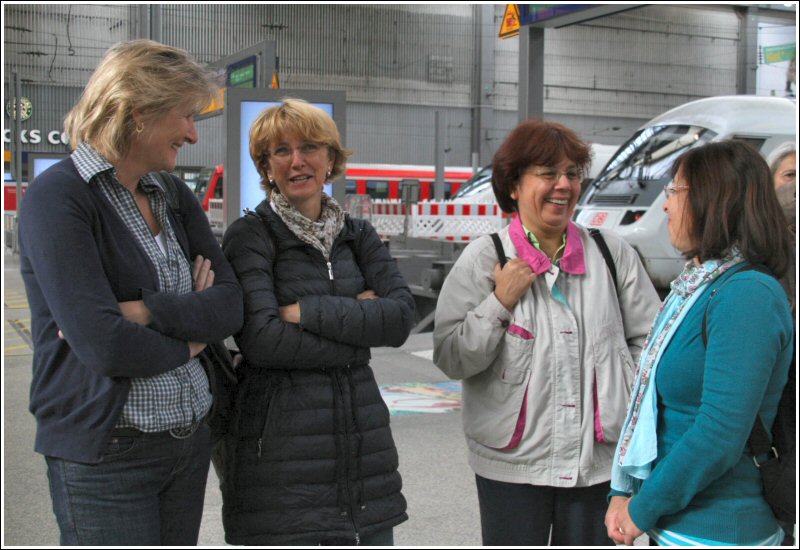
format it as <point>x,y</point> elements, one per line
<point>498,246</point>
<point>750,267</point>
<point>759,441</point>
<point>272,240</point>
<point>358,226</point>
<point>170,190</point>
<point>601,244</point>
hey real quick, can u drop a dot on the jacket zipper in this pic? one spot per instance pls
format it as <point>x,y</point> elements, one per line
<point>330,276</point>
<point>347,463</point>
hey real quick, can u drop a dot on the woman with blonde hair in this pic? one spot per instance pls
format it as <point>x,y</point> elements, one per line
<point>124,294</point>
<point>310,457</point>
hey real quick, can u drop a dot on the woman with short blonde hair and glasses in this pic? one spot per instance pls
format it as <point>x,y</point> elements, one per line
<point>310,458</point>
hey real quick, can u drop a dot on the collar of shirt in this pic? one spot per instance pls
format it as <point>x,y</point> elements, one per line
<point>526,244</point>
<point>90,163</point>
<point>535,242</point>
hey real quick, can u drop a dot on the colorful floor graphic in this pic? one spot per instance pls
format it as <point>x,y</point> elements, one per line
<point>415,398</point>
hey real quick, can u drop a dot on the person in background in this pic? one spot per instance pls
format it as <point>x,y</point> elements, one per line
<point>545,348</point>
<point>783,165</point>
<point>681,471</point>
<point>119,313</point>
<point>310,458</point>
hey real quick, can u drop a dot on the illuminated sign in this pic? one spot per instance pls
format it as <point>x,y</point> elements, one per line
<point>777,54</point>
<point>244,69</point>
<point>242,74</point>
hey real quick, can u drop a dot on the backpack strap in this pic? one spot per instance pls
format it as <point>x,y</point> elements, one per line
<point>498,246</point>
<point>170,191</point>
<point>272,240</point>
<point>601,244</point>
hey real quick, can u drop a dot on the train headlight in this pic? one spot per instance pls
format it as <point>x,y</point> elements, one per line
<point>631,216</point>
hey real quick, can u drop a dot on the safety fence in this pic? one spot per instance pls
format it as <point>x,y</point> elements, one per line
<point>10,230</point>
<point>442,220</point>
<point>436,220</point>
<point>216,217</point>
<point>215,212</point>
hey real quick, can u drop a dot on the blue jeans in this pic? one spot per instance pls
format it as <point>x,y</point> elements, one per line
<point>517,514</point>
<point>147,491</point>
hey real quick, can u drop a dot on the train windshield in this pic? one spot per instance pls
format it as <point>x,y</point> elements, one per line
<point>642,166</point>
<point>201,185</point>
<point>478,184</point>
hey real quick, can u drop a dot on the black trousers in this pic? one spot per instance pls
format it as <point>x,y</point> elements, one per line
<point>516,514</point>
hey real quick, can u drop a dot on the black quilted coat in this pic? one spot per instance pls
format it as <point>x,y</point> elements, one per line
<point>310,457</point>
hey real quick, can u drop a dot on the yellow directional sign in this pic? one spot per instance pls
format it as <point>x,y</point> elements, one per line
<point>509,26</point>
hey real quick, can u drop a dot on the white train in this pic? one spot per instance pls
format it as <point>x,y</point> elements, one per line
<point>479,188</point>
<point>627,196</point>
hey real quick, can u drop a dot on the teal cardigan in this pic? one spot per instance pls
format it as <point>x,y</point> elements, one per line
<point>704,482</point>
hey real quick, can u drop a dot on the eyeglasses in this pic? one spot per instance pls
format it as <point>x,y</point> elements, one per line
<point>670,190</point>
<point>284,152</point>
<point>552,176</point>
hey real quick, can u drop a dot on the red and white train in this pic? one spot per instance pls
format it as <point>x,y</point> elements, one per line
<point>379,181</point>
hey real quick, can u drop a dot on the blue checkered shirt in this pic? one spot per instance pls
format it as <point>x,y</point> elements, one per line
<point>181,396</point>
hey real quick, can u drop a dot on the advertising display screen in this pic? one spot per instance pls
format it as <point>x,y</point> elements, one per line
<point>39,162</point>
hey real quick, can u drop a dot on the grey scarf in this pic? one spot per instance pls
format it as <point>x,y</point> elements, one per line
<point>321,233</point>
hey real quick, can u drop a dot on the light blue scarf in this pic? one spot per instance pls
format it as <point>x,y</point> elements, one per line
<point>638,448</point>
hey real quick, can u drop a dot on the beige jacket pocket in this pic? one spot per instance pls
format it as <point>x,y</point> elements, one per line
<point>493,398</point>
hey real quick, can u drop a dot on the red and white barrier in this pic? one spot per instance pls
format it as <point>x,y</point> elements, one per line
<point>437,220</point>
<point>216,212</point>
<point>388,217</point>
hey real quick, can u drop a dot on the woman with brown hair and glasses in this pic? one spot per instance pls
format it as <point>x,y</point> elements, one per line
<point>545,346</point>
<point>716,359</point>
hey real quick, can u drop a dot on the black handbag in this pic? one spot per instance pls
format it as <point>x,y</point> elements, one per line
<point>217,360</point>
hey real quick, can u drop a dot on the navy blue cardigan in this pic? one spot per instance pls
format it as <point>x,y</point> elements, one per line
<point>78,260</point>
